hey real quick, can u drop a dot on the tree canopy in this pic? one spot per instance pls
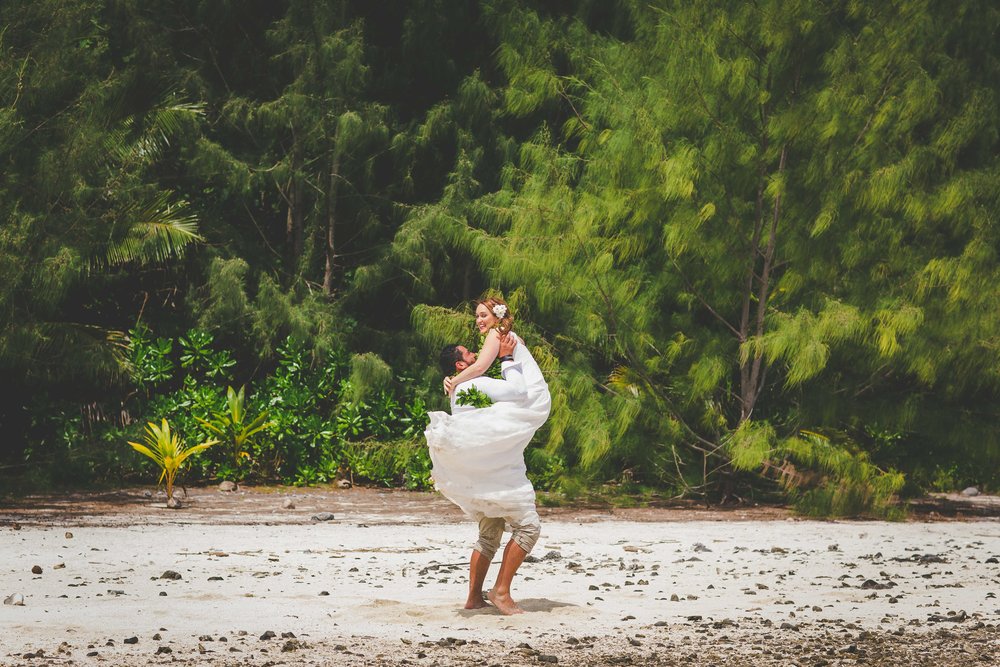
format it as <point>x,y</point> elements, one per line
<point>753,245</point>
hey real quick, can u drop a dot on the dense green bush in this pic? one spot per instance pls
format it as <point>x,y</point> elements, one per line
<point>310,422</point>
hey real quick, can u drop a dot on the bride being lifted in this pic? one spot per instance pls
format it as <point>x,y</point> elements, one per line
<point>478,454</point>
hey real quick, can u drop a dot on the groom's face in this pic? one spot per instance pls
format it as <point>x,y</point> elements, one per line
<point>468,358</point>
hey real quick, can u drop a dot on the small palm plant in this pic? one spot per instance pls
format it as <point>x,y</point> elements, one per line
<point>233,427</point>
<point>167,451</point>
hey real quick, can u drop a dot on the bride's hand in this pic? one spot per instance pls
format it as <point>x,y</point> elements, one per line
<point>507,345</point>
<point>448,385</point>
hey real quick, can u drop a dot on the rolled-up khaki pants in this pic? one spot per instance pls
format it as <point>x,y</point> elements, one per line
<point>525,532</point>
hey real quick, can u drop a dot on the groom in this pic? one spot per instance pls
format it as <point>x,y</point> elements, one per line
<point>525,529</point>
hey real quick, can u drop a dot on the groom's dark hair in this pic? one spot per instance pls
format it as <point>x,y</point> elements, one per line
<point>449,357</point>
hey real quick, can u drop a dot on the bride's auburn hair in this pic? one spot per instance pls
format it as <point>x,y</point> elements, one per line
<point>505,323</point>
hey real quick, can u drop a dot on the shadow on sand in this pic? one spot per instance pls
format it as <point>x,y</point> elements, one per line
<point>529,605</point>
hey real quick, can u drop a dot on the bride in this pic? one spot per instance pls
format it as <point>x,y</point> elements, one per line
<point>478,456</point>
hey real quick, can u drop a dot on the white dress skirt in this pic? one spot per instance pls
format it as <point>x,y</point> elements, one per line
<point>478,454</point>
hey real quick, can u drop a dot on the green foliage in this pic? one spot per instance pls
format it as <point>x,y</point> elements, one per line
<point>199,358</point>
<point>295,426</point>
<point>368,374</point>
<point>150,358</point>
<point>404,463</point>
<point>656,222</point>
<point>473,397</point>
<point>232,426</point>
<point>165,449</point>
<point>721,226</point>
<point>824,477</point>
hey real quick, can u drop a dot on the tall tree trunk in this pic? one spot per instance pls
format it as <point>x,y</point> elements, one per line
<point>331,219</point>
<point>758,287</point>
<point>293,220</point>
<point>754,370</point>
<point>758,370</point>
<point>747,398</point>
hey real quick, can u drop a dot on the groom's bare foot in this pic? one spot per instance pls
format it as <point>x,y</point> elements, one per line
<point>504,603</point>
<point>476,602</point>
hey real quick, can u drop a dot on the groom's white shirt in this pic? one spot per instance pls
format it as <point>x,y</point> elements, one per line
<point>511,388</point>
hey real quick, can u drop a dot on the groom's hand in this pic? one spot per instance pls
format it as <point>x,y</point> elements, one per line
<point>507,345</point>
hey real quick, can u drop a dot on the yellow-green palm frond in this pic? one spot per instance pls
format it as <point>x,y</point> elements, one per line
<point>159,230</point>
<point>137,141</point>
<point>165,448</point>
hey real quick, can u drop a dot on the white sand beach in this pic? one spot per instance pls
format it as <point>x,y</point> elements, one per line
<point>383,582</point>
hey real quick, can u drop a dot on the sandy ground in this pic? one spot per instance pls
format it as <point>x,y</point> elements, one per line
<point>384,582</point>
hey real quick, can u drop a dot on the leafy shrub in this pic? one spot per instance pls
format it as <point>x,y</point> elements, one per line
<point>307,419</point>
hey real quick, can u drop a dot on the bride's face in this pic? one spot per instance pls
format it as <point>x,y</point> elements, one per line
<point>484,318</point>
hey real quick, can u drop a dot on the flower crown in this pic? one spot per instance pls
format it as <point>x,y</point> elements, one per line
<point>500,311</point>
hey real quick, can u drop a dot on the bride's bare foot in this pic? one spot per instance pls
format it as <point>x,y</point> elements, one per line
<point>476,602</point>
<point>504,603</point>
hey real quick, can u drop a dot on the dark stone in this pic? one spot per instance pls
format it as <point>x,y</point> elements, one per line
<point>170,574</point>
<point>130,640</point>
<point>323,516</point>
<point>37,569</point>
<point>164,649</point>
<point>952,617</point>
<point>268,635</point>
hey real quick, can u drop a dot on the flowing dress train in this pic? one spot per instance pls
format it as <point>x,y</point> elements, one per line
<point>478,454</point>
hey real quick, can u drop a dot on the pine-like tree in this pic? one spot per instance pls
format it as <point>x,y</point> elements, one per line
<point>740,228</point>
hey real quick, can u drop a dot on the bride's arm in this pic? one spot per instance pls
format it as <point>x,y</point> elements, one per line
<point>486,356</point>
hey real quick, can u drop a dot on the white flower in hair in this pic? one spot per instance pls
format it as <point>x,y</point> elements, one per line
<point>500,310</point>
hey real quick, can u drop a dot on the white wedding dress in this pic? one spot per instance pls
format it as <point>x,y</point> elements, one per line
<point>478,453</point>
